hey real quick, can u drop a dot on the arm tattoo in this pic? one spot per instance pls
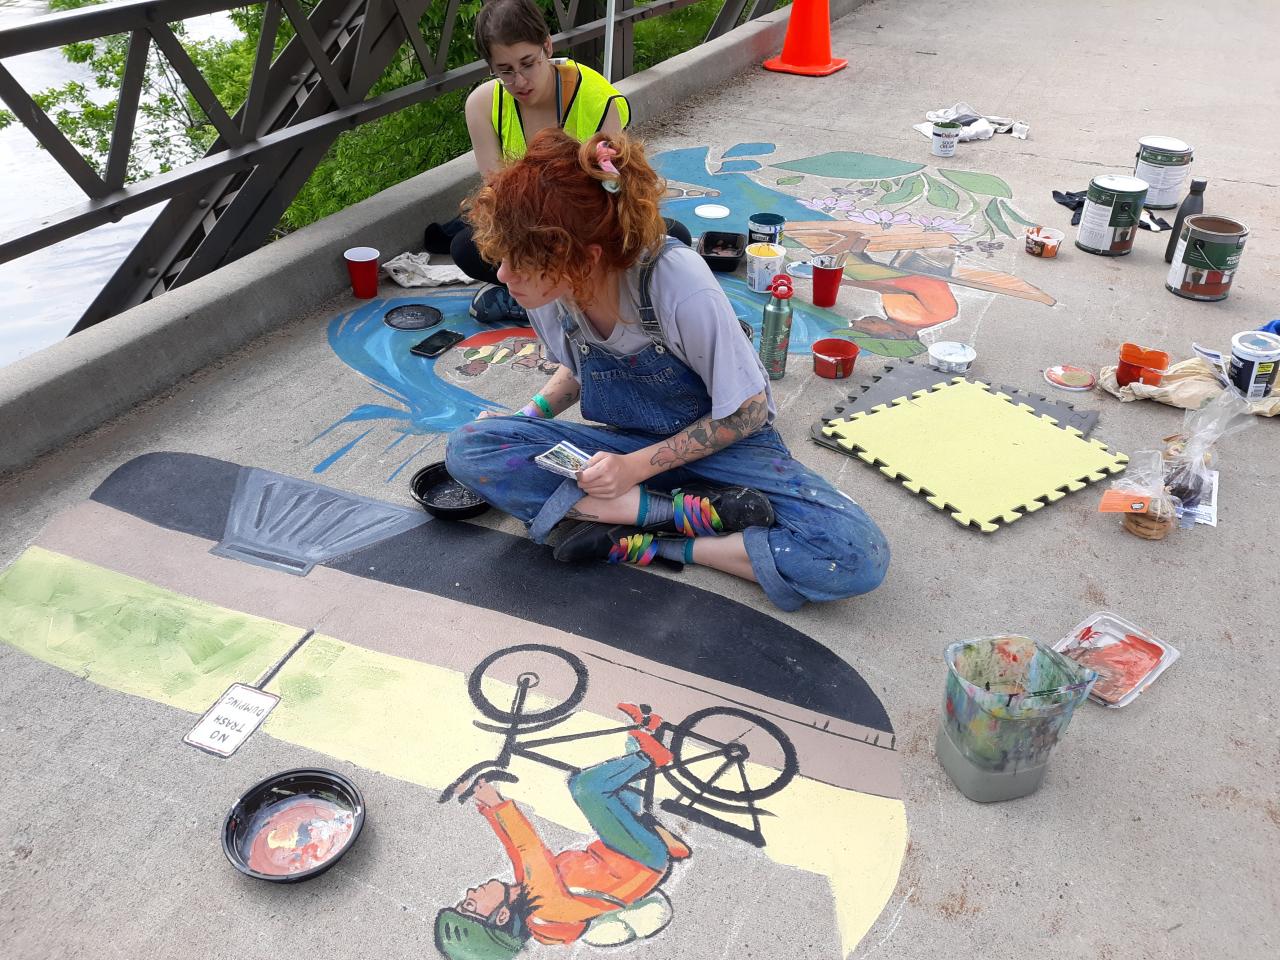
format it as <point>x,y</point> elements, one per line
<point>707,436</point>
<point>576,514</point>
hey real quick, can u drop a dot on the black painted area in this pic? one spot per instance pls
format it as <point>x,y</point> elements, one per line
<point>661,620</point>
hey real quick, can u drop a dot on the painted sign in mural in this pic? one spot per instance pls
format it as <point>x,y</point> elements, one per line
<point>605,779</point>
<point>927,249</point>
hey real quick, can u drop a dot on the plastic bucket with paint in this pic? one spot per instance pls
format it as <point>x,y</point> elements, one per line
<point>764,262</point>
<point>834,357</point>
<point>946,134</point>
<point>1112,209</point>
<point>1206,258</point>
<point>1163,162</point>
<point>1008,703</point>
<point>951,356</point>
<point>1254,358</point>
<point>765,228</point>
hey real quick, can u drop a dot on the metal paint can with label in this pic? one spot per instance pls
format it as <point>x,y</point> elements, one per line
<point>1164,163</point>
<point>765,228</point>
<point>1255,358</point>
<point>1206,258</point>
<point>1112,209</point>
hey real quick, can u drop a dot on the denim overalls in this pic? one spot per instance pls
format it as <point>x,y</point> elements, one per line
<point>822,545</point>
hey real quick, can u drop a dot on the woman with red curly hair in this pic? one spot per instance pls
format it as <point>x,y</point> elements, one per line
<point>687,466</point>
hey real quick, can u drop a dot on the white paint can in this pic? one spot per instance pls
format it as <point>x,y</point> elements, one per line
<point>946,134</point>
<point>1163,162</point>
<point>1255,358</point>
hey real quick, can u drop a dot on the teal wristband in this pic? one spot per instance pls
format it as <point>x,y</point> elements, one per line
<point>541,403</point>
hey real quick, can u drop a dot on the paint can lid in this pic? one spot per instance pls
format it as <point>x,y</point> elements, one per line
<point>801,270</point>
<point>1167,144</point>
<point>1064,376</point>
<point>711,211</point>
<point>1256,345</point>
<point>1121,183</point>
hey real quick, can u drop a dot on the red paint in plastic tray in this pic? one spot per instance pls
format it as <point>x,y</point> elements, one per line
<point>1126,658</point>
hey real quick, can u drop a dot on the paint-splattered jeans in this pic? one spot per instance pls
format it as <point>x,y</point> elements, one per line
<point>822,546</point>
<point>615,812</point>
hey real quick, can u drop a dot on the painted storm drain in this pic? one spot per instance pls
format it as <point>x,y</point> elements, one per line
<point>610,779</point>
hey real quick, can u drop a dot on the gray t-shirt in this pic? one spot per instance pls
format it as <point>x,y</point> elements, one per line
<point>697,320</point>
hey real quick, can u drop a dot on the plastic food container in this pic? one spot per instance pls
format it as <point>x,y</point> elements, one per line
<point>715,239</point>
<point>1139,363</point>
<point>834,357</point>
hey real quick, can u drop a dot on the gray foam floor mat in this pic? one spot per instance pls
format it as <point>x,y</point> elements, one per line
<point>905,378</point>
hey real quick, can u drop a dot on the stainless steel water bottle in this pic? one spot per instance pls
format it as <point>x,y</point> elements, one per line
<point>775,331</point>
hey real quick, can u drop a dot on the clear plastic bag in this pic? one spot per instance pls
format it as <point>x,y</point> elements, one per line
<point>1189,455</point>
<point>1145,476</point>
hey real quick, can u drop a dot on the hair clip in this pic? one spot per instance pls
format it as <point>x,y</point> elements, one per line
<point>604,159</point>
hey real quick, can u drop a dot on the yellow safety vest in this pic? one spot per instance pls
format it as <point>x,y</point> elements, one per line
<point>583,99</point>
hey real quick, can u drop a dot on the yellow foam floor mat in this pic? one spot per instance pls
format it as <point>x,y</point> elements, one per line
<point>974,452</point>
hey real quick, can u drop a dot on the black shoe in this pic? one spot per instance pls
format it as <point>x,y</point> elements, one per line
<point>703,510</point>
<point>616,543</point>
<point>495,304</point>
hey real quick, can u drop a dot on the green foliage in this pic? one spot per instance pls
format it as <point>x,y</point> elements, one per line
<point>172,130</point>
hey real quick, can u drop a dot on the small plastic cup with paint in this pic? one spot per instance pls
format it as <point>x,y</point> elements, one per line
<point>1043,242</point>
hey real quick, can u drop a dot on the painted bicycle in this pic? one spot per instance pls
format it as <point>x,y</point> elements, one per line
<point>712,771</point>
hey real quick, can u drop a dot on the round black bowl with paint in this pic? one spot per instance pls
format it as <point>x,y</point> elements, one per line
<point>293,825</point>
<point>444,497</point>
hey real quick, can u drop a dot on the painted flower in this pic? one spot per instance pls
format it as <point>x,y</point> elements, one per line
<point>879,218</point>
<point>825,204</point>
<point>867,192</point>
<point>941,225</point>
<point>989,247</point>
<point>961,248</point>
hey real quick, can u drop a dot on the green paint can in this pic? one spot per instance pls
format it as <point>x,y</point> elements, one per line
<point>1112,209</point>
<point>1205,260</point>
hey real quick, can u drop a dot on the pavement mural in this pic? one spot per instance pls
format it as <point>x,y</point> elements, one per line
<point>666,746</point>
<point>927,250</point>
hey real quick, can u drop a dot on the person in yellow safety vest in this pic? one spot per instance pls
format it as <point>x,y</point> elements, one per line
<point>530,91</point>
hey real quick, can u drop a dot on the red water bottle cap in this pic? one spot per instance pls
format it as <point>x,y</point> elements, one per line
<point>781,287</point>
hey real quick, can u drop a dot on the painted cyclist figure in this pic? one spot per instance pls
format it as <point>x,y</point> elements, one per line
<point>555,898</point>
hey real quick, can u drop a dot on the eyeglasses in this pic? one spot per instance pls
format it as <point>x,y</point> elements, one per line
<point>508,77</point>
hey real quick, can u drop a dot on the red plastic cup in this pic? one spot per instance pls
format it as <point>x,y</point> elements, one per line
<point>362,264</point>
<point>834,357</point>
<point>826,285</point>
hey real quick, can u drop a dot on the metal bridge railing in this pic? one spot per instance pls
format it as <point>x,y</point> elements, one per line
<point>225,204</point>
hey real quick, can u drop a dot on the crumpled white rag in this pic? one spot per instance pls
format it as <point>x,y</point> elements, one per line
<point>416,270</point>
<point>976,126</point>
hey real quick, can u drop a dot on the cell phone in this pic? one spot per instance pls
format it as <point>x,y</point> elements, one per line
<point>436,344</point>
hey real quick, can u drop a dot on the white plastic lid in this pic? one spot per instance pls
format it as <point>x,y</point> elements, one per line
<point>1256,345</point>
<point>360,254</point>
<point>1168,144</point>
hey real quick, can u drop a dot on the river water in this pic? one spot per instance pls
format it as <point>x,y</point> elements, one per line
<point>43,294</point>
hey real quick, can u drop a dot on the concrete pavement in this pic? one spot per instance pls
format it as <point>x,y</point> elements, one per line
<point>1157,833</point>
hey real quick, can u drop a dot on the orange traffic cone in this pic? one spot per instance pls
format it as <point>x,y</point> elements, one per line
<point>807,48</point>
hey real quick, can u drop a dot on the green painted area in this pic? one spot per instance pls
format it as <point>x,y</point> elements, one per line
<point>984,184</point>
<point>848,165</point>
<point>130,635</point>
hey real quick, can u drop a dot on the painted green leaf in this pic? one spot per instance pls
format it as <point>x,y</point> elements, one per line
<point>860,270</point>
<point>788,181</point>
<point>983,184</point>
<point>847,165</point>
<point>911,188</point>
<point>882,347</point>
<point>940,195</point>
<point>886,185</point>
<point>997,221</point>
<point>1011,214</point>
